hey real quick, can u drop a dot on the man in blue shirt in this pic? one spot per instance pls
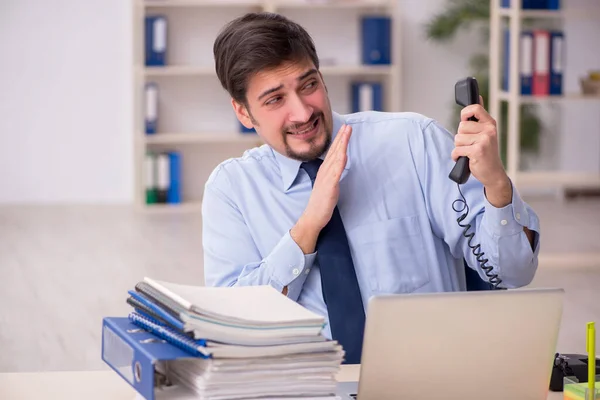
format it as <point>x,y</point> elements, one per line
<point>334,209</point>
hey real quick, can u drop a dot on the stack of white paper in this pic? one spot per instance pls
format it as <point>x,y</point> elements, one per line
<point>259,343</point>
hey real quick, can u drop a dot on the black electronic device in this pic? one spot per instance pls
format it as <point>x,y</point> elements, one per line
<point>466,92</point>
<point>570,365</point>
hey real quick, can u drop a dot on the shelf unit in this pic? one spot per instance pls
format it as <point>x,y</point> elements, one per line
<point>515,16</point>
<point>191,71</point>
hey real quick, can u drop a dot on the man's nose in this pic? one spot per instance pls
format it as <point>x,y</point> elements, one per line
<point>300,112</point>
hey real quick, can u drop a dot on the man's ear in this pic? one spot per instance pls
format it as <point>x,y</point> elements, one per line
<point>242,114</point>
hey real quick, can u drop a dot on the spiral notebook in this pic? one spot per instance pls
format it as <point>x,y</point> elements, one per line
<point>156,308</point>
<point>194,347</point>
<point>144,310</point>
<point>211,349</point>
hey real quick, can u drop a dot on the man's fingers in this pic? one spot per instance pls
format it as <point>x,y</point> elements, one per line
<point>345,139</point>
<point>337,158</point>
<point>344,136</point>
<point>461,151</point>
<point>339,144</point>
<point>468,128</point>
<point>477,111</point>
<point>463,139</point>
<point>468,139</point>
<point>336,170</point>
<point>335,144</point>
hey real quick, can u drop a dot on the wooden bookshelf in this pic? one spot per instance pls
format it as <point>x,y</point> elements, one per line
<point>194,104</point>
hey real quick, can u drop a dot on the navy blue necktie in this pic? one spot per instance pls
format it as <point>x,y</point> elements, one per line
<point>339,283</point>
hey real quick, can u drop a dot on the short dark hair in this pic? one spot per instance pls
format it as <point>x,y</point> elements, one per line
<point>257,41</point>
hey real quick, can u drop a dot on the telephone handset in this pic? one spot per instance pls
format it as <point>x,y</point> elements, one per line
<point>466,92</point>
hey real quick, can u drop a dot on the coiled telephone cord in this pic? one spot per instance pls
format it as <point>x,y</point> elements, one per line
<point>494,280</point>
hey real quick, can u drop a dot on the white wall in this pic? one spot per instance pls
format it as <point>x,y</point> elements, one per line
<point>66,113</point>
<point>431,69</point>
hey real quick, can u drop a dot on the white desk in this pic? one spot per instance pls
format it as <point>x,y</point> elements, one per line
<point>99,385</point>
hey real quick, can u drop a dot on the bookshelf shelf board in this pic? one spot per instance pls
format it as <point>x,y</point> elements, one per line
<point>202,137</point>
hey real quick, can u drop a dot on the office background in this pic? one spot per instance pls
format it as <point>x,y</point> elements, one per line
<point>71,240</point>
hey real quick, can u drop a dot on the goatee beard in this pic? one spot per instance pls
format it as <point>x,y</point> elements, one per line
<point>315,150</point>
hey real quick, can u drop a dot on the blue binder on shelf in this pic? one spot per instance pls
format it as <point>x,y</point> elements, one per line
<point>525,62</point>
<point>151,111</point>
<point>557,59</point>
<point>376,36</point>
<point>135,354</point>
<point>156,40</point>
<point>174,192</point>
<point>535,4</point>
<point>367,96</point>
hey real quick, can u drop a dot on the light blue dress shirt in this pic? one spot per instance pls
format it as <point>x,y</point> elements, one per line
<point>396,205</point>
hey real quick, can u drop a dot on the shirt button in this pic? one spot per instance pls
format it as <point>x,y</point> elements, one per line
<point>504,222</point>
<point>296,271</point>
<point>307,271</point>
<point>518,217</point>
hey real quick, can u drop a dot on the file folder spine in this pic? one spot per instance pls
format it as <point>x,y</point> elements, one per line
<point>541,63</point>
<point>174,191</point>
<point>534,4</point>
<point>376,40</point>
<point>150,177</point>
<point>133,353</point>
<point>118,351</point>
<point>151,120</point>
<point>163,176</point>
<point>156,40</point>
<point>526,68</point>
<point>525,62</point>
<point>366,96</point>
<point>506,60</point>
<point>556,62</point>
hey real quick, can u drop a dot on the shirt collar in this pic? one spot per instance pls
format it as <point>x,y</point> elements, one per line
<point>289,167</point>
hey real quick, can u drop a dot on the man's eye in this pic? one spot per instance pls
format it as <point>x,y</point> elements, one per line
<point>310,85</point>
<point>273,100</point>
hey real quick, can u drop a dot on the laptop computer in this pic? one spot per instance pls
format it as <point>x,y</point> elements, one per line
<point>459,345</point>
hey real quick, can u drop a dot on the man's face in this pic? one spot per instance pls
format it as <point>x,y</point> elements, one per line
<point>290,110</point>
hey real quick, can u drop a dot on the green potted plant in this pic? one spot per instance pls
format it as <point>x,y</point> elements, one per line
<point>463,14</point>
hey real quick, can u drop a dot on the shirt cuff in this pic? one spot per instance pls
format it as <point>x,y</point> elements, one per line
<point>289,266</point>
<point>507,220</point>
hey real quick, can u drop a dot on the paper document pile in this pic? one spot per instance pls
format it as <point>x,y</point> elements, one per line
<point>244,342</point>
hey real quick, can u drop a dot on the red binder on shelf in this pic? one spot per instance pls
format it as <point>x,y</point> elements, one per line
<point>541,63</point>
